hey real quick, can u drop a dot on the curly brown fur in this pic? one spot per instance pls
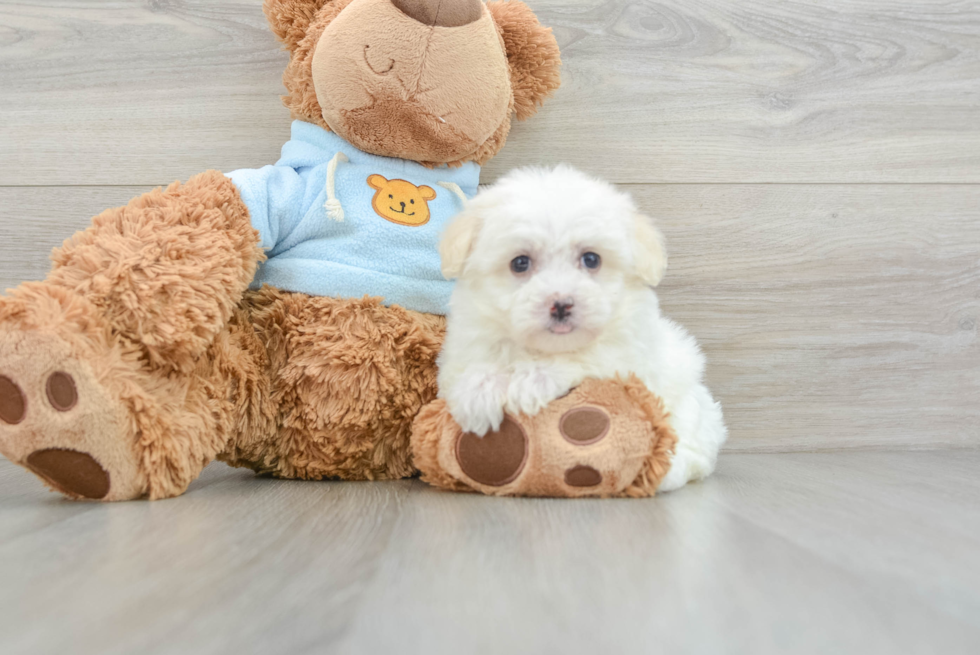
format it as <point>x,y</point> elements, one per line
<point>170,426</point>
<point>294,385</point>
<point>428,430</point>
<point>167,269</point>
<point>140,295</point>
<point>657,463</point>
<point>290,19</point>
<point>348,378</point>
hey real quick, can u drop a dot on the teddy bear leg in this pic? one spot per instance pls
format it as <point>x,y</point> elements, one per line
<point>104,393</point>
<point>605,438</point>
<point>349,377</point>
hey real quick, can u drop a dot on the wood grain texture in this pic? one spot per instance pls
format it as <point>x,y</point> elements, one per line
<point>133,92</point>
<point>832,315</point>
<point>801,553</point>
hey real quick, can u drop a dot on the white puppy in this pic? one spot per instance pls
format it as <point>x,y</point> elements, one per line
<point>555,285</point>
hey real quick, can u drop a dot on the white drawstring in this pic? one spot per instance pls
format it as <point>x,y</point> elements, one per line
<point>452,186</point>
<point>335,211</point>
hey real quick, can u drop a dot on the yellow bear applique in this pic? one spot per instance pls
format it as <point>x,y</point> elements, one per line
<point>401,202</point>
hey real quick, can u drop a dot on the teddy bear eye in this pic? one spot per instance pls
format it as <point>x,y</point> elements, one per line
<point>591,260</point>
<point>412,201</point>
<point>391,196</point>
<point>520,264</point>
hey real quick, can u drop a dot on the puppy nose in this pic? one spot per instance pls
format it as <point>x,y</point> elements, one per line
<point>562,309</point>
<point>441,13</point>
<point>403,205</point>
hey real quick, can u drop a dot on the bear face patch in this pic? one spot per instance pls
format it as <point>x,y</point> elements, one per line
<point>401,202</point>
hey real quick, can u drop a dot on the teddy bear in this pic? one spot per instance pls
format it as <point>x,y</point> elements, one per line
<point>285,319</point>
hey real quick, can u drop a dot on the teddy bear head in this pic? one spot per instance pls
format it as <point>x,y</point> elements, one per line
<point>433,81</point>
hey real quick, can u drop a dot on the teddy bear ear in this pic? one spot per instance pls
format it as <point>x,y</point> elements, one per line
<point>532,52</point>
<point>291,18</point>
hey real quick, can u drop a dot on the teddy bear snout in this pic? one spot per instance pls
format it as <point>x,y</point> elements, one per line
<point>441,13</point>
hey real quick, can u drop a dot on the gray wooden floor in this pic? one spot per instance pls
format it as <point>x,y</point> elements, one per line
<point>816,169</point>
<point>867,552</point>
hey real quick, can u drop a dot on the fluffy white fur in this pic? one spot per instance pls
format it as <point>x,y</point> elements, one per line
<point>513,343</point>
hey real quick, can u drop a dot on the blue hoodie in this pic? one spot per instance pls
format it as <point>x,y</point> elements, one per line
<point>376,235</point>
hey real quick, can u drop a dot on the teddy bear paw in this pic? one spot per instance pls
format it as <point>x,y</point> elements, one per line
<point>567,469</point>
<point>605,438</point>
<point>59,422</point>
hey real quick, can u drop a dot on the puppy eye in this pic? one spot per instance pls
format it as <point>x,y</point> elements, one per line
<point>520,264</point>
<point>412,201</point>
<point>591,260</point>
<point>391,196</point>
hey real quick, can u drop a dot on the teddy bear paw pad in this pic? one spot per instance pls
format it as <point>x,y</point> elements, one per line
<point>73,472</point>
<point>13,405</point>
<point>583,476</point>
<point>584,426</point>
<point>495,459</point>
<point>61,391</point>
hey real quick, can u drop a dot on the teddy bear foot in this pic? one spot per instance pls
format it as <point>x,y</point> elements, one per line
<point>57,421</point>
<point>605,438</point>
<point>56,418</point>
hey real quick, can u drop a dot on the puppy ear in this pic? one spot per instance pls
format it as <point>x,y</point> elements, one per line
<point>457,243</point>
<point>290,19</point>
<point>649,250</point>
<point>532,52</point>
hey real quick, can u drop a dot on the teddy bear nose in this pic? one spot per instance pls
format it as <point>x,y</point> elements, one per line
<point>441,13</point>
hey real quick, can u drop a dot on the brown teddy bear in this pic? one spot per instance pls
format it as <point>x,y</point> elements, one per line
<point>285,319</point>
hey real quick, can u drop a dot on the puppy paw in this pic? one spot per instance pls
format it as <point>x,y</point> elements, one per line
<point>532,387</point>
<point>477,401</point>
<point>685,466</point>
